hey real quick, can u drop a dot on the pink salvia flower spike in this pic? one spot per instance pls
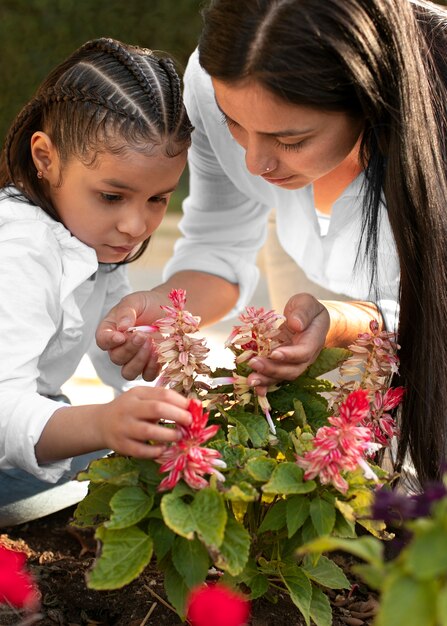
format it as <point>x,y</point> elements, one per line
<point>187,458</point>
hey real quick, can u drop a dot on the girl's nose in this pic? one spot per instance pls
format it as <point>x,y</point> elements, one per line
<point>133,222</point>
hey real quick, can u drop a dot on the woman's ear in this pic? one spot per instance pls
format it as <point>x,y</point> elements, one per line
<point>45,157</point>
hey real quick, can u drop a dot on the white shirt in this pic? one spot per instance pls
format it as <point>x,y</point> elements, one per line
<point>225,217</point>
<point>52,297</point>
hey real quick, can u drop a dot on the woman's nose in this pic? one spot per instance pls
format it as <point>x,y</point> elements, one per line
<point>257,159</point>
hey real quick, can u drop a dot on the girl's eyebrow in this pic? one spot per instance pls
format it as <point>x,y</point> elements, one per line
<point>289,132</point>
<point>120,185</point>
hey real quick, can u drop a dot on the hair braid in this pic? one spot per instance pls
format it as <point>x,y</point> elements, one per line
<point>125,57</point>
<point>176,98</point>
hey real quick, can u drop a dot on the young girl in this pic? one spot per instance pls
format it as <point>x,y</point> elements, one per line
<point>86,174</point>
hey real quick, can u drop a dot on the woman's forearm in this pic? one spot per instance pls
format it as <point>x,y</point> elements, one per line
<point>348,319</point>
<point>207,295</point>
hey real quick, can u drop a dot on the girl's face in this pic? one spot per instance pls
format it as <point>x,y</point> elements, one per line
<point>287,144</point>
<point>117,203</point>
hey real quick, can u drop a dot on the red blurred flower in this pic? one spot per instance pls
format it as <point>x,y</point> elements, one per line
<point>187,458</point>
<point>216,605</point>
<point>17,586</point>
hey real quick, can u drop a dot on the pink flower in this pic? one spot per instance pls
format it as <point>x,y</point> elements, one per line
<point>181,356</point>
<point>187,459</point>
<point>216,605</point>
<point>381,423</point>
<point>256,336</point>
<point>340,447</point>
<point>17,587</point>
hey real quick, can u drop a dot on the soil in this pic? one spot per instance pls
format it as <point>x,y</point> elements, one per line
<point>59,558</point>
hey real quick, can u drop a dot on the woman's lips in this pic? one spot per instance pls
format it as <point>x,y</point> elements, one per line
<point>277,181</point>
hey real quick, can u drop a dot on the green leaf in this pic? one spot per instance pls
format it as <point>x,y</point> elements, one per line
<point>191,560</point>
<point>206,515</point>
<point>241,492</point>
<point>233,553</point>
<point>343,527</point>
<point>252,577</point>
<point>427,553</point>
<point>261,468</point>
<point>95,507</point>
<point>162,536</point>
<point>323,516</point>
<point>116,470</point>
<point>368,548</point>
<point>275,518</point>
<point>149,471</point>
<point>129,505</point>
<point>407,601</point>
<point>287,478</point>
<point>320,608</point>
<point>297,513</point>
<point>308,531</point>
<point>370,574</point>
<point>176,590</point>
<point>299,588</point>
<point>124,555</point>
<point>327,573</point>
<point>251,427</point>
<point>328,359</point>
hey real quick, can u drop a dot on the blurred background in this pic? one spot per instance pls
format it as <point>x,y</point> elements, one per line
<point>36,35</point>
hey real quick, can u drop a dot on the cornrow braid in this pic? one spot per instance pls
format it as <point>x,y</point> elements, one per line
<point>174,81</point>
<point>128,60</point>
<point>107,95</point>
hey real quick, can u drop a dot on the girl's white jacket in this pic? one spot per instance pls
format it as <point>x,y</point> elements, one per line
<point>52,297</point>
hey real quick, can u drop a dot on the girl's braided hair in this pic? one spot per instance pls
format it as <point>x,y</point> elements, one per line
<point>106,96</point>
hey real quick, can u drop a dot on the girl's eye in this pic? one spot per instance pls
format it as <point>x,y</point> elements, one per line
<point>159,200</point>
<point>110,198</point>
<point>288,147</point>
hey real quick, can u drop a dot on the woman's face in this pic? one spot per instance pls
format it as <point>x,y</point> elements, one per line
<point>289,145</point>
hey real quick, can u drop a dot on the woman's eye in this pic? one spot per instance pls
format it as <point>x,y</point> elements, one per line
<point>228,121</point>
<point>111,197</point>
<point>291,146</point>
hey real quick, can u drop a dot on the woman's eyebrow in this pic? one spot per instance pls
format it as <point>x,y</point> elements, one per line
<point>289,132</point>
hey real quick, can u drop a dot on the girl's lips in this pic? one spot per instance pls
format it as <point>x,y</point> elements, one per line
<point>122,249</point>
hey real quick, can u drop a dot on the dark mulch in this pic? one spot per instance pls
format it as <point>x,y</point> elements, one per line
<point>59,559</point>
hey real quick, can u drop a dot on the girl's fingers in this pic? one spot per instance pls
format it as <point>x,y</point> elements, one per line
<point>136,362</point>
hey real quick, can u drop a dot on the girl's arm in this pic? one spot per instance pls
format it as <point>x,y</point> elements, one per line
<point>128,425</point>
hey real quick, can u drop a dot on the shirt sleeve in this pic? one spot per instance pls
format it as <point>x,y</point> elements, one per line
<point>30,317</point>
<point>223,229</point>
<point>110,374</point>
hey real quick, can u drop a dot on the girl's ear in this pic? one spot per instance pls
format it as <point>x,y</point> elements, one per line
<point>45,157</point>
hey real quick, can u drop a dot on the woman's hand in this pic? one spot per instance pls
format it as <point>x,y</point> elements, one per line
<point>130,424</point>
<point>303,332</point>
<point>133,351</point>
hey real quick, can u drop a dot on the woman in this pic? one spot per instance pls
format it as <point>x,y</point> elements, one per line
<point>336,107</point>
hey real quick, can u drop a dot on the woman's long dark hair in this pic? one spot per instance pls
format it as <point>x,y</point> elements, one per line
<point>106,96</point>
<point>385,61</point>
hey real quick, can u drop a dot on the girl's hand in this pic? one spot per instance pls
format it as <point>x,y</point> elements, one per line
<point>130,423</point>
<point>133,351</point>
<point>304,332</point>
